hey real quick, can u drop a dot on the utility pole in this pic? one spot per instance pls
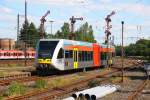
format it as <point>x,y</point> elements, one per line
<point>25,51</point>
<point>122,50</point>
<point>108,33</point>
<point>51,21</point>
<point>73,21</point>
<point>18,29</point>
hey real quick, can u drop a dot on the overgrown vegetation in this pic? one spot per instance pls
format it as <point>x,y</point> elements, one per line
<point>1,97</point>
<point>41,84</point>
<point>93,83</point>
<point>140,48</point>
<point>15,89</point>
<point>61,81</point>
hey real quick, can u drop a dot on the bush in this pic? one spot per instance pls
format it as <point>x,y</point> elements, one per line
<point>41,84</point>
<point>1,98</point>
<point>16,89</point>
<point>93,83</point>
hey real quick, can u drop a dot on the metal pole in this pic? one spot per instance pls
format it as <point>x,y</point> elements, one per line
<point>25,32</point>
<point>122,50</point>
<point>51,26</point>
<point>107,38</point>
<point>17,30</point>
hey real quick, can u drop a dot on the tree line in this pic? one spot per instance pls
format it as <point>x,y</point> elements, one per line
<point>140,48</point>
<point>30,35</point>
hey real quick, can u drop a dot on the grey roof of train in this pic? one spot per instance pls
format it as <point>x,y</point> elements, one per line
<point>103,45</point>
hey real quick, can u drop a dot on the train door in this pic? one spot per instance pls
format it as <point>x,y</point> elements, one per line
<point>96,55</point>
<point>75,58</point>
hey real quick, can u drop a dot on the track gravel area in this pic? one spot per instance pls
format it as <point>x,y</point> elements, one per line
<point>132,80</point>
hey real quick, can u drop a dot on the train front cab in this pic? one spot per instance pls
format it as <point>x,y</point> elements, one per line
<point>44,53</point>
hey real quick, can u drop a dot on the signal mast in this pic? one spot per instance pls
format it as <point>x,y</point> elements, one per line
<point>43,20</point>
<point>108,33</point>
<point>108,26</point>
<point>73,21</point>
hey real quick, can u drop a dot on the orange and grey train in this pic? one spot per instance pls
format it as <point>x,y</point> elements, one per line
<point>62,54</point>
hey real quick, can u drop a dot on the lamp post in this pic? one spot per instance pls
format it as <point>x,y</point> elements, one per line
<point>51,21</point>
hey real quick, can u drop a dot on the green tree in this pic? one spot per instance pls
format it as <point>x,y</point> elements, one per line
<point>23,32</point>
<point>33,35</point>
<point>29,34</point>
<point>65,31</point>
<point>85,33</point>
<point>58,34</point>
<point>140,48</point>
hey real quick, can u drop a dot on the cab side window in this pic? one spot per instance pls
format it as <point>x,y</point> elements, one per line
<point>61,53</point>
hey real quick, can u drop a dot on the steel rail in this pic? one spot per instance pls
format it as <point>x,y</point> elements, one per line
<point>133,95</point>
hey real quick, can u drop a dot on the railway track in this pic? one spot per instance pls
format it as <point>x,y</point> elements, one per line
<point>6,82</point>
<point>55,92</point>
<point>14,76</point>
<point>16,61</point>
<point>21,80</point>
<point>139,89</point>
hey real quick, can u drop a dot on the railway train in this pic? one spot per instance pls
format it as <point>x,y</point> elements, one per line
<point>16,54</point>
<point>63,54</point>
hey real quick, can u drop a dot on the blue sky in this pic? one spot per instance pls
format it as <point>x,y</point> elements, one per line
<point>133,12</point>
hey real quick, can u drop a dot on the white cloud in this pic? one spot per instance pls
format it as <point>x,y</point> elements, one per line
<point>86,8</point>
<point>139,9</point>
<point>5,10</point>
<point>8,18</point>
<point>53,2</point>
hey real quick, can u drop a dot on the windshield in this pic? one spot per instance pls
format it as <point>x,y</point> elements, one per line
<point>46,49</point>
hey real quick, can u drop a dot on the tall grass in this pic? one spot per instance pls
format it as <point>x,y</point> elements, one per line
<point>16,89</point>
<point>41,84</point>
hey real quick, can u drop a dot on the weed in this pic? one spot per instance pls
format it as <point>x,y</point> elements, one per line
<point>16,89</point>
<point>93,83</point>
<point>41,84</point>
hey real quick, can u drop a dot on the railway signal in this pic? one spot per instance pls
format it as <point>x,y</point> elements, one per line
<point>108,26</point>
<point>107,34</point>
<point>73,21</point>
<point>43,20</point>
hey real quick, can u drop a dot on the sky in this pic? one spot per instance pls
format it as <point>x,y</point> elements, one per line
<point>134,13</point>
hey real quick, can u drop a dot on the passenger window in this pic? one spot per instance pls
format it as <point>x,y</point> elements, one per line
<point>83,57</point>
<point>86,56</point>
<point>80,55</point>
<point>91,55</point>
<point>66,54</point>
<point>61,53</point>
<point>103,56</point>
<point>70,53</point>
